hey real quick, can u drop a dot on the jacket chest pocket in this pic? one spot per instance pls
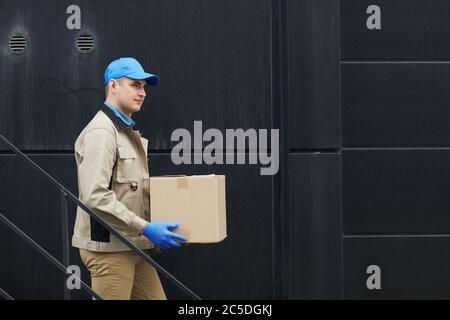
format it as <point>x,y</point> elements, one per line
<point>127,165</point>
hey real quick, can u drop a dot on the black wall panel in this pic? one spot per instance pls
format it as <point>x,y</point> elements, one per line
<point>213,57</point>
<point>395,104</point>
<point>410,267</point>
<point>315,226</point>
<point>394,89</point>
<point>396,191</point>
<point>410,29</point>
<point>313,73</point>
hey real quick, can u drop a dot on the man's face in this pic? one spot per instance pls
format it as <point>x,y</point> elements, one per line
<point>130,94</point>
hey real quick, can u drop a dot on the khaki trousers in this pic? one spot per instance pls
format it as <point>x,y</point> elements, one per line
<point>122,276</point>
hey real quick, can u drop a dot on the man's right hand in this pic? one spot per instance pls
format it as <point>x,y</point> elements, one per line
<point>159,234</point>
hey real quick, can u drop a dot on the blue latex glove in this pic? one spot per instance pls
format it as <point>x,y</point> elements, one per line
<point>159,234</point>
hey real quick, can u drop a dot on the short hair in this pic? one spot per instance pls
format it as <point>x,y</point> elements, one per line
<point>107,86</point>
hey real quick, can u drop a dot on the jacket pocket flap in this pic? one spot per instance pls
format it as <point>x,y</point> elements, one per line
<point>126,153</point>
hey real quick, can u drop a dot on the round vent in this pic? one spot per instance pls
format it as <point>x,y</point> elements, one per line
<point>85,43</point>
<point>17,44</point>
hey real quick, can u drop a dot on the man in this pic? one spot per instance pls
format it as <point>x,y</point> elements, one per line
<point>113,181</point>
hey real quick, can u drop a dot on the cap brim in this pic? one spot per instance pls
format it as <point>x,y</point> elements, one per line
<point>152,79</point>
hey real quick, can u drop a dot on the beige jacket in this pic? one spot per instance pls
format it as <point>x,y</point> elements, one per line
<point>113,181</point>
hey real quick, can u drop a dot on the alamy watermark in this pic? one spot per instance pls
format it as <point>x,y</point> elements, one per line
<point>74,280</point>
<point>235,145</point>
<point>374,280</point>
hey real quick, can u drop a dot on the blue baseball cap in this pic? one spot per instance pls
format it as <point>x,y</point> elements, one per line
<point>131,68</point>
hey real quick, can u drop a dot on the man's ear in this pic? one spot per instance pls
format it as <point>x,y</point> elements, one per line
<point>112,84</point>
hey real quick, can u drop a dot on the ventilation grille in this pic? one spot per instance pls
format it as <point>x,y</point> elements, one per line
<point>85,43</point>
<point>17,44</point>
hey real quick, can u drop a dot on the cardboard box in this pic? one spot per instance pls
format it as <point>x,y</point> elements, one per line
<point>196,203</point>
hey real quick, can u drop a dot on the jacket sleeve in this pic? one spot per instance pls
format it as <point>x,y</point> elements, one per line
<point>94,174</point>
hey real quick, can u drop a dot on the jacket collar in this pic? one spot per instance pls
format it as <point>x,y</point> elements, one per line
<point>116,120</point>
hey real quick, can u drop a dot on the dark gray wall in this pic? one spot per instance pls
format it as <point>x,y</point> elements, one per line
<point>312,231</point>
<point>363,137</point>
<point>395,159</point>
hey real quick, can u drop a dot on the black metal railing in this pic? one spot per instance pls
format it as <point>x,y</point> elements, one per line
<point>5,295</point>
<point>66,194</point>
